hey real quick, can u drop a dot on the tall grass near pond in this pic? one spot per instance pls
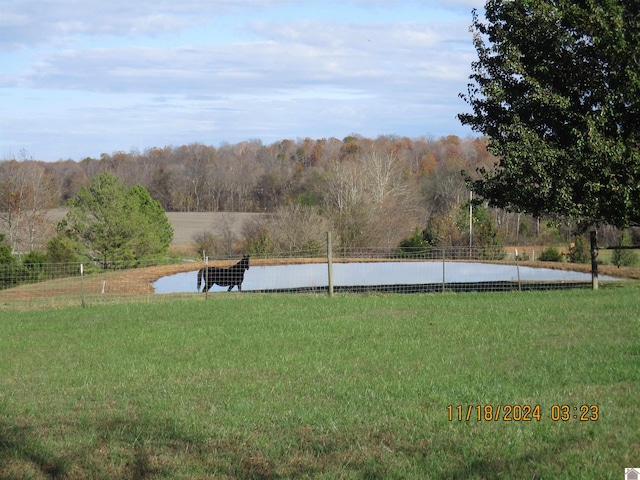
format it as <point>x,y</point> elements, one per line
<point>271,386</point>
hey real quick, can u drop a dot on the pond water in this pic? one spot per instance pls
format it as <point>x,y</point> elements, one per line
<point>367,274</point>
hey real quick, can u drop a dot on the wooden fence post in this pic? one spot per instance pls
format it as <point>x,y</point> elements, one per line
<point>594,259</point>
<point>206,265</point>
<point>330,263</point>
<point>518,270</point>
<point>444,282</point>
<point>82,285</point>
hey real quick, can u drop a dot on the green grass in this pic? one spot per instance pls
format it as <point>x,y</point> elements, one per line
<point>293,386</point>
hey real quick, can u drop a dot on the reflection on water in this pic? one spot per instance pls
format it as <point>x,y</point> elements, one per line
<point>366,274</point>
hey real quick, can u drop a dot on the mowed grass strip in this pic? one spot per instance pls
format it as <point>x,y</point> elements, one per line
<point>293,386</point>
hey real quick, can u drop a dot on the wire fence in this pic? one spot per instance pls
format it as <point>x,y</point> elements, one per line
<point>29,286</point>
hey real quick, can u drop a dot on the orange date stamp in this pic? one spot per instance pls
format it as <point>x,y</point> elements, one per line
<point>522,413</point>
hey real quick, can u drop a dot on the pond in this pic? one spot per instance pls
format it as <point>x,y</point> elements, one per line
<point>283,277</point>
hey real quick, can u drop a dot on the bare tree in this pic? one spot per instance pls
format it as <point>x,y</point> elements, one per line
<point>348,205</point>
<point>27,193</point>
<point>299,229</point>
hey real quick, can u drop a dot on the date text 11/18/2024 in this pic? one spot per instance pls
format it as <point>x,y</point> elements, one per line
<point>522,413</point>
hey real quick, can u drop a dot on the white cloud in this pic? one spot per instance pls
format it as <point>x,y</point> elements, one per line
<point>30,22</point>
<point>166,72</point>
<point>296,55</point>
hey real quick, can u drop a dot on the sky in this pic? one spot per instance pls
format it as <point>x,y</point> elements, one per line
<point>79,78</point>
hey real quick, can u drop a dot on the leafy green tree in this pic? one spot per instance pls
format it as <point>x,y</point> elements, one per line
<point>34,257</point>
<point>579,251</point>
<point>442,231</point>
<point>116,224</point>
<point>8,265</point>
<point>5,251</point>
<point>550,254</point>
<point>34,268</point>
<point>62,249</point>
<point>624,257</point>
<point>260,247</point>
<point>153,220</point>
<point>485,234</point>
<point>414,246</point>
<point>556,89</point>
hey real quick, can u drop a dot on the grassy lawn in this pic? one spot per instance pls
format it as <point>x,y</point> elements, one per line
<point>296,386</point>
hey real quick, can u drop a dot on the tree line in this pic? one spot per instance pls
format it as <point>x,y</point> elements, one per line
<point>370,192</point>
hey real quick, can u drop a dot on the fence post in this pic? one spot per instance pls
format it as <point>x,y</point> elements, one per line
<point>518,270</point>
<point>82,285</point>
<point>443,276</point>
<point>594,259</point>
<point>330,264</point>
<point>206,265</point>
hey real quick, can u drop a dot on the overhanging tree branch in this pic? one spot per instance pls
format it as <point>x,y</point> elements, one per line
<point>556,89</point>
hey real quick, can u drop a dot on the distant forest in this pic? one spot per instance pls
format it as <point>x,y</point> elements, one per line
<point>370,192</point>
